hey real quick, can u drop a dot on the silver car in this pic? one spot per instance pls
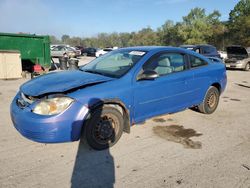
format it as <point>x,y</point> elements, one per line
<point>238,57</point>
<point>59,51</point>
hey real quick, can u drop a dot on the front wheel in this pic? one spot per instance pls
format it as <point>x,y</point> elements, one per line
<point>210,102</point>
<point>247,67</point>
<point>104,128</point>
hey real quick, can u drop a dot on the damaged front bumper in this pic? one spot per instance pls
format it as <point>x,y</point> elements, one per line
<point>63,127</point>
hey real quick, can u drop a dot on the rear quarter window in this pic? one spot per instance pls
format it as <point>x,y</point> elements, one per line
<point>196,62</point>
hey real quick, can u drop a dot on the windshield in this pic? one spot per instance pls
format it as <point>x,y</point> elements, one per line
<point>114,64</point>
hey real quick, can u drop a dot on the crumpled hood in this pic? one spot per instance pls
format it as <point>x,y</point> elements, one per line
<point>60,82</point>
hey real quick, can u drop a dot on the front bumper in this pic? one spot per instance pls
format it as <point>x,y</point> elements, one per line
<point>235,66</point>
<point>63,127</point>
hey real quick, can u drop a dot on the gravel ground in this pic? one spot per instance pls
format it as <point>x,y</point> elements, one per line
<point>186,149</point>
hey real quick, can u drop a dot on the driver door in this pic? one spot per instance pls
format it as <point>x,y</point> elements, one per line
<point>168,93</point>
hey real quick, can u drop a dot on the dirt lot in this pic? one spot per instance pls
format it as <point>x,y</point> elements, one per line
<point>187,149</point>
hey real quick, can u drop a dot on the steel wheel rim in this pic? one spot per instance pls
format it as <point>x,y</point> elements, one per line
<point>105,129</point>
<point>212,100</point>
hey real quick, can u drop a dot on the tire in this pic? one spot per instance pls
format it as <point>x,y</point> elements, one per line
<point>247,67</point>
<point>210,101</point>
<point>104,128</point>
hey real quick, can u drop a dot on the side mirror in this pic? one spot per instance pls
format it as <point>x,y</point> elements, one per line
<point>148,75</point>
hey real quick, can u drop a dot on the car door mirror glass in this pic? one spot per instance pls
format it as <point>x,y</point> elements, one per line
<point>148,75</point>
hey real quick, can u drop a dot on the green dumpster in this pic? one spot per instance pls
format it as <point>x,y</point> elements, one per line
<point>34,49</point>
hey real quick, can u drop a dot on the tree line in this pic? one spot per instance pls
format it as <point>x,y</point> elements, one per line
<point>197,27</point>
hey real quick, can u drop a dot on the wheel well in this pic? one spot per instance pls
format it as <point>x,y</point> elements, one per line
<point>120,107</point>
<point>217,85</point>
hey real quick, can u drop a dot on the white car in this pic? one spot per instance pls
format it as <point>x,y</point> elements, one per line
<point>223,54</point>
<point>103,51</point>
<point>53,46</point>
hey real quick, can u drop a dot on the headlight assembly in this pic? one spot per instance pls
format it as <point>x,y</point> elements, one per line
<point>52,106</point>
<point>239,62</point>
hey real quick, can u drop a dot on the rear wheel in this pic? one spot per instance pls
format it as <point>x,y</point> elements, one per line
<point>210,102</point>
<point>104,128</point>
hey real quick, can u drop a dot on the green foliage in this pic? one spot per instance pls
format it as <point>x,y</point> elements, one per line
<point>54,40</point>
<point>65,38</point>
<point>241,9</point>
<point>197,27</point>
<point>168,34</point>
<point>239,23</point>
<point>145,37</point>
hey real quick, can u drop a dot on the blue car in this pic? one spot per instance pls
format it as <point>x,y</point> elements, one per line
<point>204,49</point>
<point>104,98</point>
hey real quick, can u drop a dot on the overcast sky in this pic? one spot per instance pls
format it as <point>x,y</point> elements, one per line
<point>85,18</point>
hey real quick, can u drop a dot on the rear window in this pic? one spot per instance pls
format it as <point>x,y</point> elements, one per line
<point>209,49</point>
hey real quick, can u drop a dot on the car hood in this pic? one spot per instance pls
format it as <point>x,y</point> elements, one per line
<point>234,51</point>
<point>58,82</point>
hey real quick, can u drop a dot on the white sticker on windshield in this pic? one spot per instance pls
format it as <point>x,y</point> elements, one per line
<point>140,53</point>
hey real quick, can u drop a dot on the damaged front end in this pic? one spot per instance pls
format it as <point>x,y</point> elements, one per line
<point>44,112</point>
<point>50,119</point>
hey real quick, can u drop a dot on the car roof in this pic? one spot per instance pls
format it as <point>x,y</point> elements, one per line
<point>156,49</point>
<point>150,48</point>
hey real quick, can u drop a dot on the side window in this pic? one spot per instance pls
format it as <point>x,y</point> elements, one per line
<point>198,50</point>
<point>68,49</point>
<point>208,50</point>
<point>196,62</point>
<point>166,63</point>
<point>55,48</point>
<point>58,48</point>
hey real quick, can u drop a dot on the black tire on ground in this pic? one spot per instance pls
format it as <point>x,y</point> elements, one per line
<point>103,128</point>
<point>210,102</point>
<point>247,67</point>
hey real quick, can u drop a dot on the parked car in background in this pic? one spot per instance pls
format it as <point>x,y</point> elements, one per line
<point>238,57</point>
<point>81,48</point>
<point>223,55</point>
<point>53,46</point>
<point>90,51</point>
<point>103,51</point>
<point>106,96</point>
<point>216,59</point>
<point>78,52</point>
<point>204,49</point>
<point>59,51</point>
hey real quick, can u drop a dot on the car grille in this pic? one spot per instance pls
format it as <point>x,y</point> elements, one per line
<point>231,61</point>
<point>24,101</point>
